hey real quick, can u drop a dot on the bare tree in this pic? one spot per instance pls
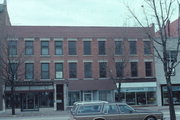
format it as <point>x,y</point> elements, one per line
<point>12,61</point>
<point>161,12</point>
<point>118,59</point>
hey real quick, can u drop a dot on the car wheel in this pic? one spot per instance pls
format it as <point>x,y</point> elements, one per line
<point>150,118</point>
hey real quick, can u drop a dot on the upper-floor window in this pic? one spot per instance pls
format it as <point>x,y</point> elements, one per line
<point>29,71</point>
<point>58,70</point>
<point>102,69</point>
<point>12,47</point>
<point>44,47</point>
<point>148,68</point>
<point>44,70</point>
<point>72,47</point>
<point>172,55</point>
<point>73,70</point>
<point>29,48</point>
<point>118,48</point>
<point>132,47</point>
<point>58,48</point>
<point>102,47</point>
<point>147,47</point>
<point>87,47</point>
<point>119,69</point>
<point>12,70</point>
<point>134,69</point>
<point>87,69</point>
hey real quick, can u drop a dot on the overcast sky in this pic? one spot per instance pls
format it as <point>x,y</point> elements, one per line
<point>73,12</point>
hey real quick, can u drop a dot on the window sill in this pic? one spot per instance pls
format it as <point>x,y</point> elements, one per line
<point>45,56</point>
<point>59,79</point>
<point>73,79</point>
<point>44,79</point>
<point>88,79</point>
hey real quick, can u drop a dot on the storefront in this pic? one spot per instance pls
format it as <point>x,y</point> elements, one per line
<point>176,94</point>
<point>91,90</point>
<point>31,95</point>
<point>138,93</point>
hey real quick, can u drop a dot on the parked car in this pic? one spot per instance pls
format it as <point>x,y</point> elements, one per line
<point>110,111</point>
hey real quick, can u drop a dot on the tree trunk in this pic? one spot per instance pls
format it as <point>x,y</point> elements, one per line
<point>170,98</point>
<point>119,92</point>
<point>12,98</point>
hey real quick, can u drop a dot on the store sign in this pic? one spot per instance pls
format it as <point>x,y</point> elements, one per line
<point>138,89</point>
<point>174,88</point>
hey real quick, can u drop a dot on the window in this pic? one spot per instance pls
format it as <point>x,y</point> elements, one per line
<point>102,69</point>
<point>29,71</point>
<point>58,48</point>
<point>29,48</point>
<point>119,69</point>
<point>87,47</point>
<point>72,47</point>
<point>132,47</point>
<point>101,46</point>
<point>172,55</point>
<point>59,70</point>
<point>147,47</point>
<point>13,68</point>
<point>72,70</point>
<point>148,68</point>
<point>118,48</point>
<point>87,69</point>
<point>134,69</point>
<point>44,70</point>
<point>12,47</point>
<point>44,47</point>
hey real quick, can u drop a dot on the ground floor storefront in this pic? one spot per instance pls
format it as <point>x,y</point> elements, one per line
<point>138,94</point>
<point>176,94</point>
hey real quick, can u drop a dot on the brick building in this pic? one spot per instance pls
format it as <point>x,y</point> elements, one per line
<point>65,64</point>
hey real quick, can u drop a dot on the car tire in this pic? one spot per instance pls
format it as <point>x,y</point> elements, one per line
<point>150,118</point>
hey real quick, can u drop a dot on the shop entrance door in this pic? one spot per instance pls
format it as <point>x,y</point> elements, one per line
<point>30,101</point>
<point>87,96</point>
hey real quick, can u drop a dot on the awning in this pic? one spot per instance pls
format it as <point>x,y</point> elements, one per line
<point>77,85</point>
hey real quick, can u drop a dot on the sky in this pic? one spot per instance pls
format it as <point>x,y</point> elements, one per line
<point>73,12</point>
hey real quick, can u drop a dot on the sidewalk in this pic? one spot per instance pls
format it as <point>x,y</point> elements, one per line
<point>41,112</point>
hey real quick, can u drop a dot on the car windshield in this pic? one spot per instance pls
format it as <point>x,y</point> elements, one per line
<point>125,109</point>
<point>86,109</point>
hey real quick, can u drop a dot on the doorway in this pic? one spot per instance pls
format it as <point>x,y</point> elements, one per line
<point>87,96</point>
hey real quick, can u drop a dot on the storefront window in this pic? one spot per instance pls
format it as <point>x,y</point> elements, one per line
<point>151,98</point>
<point>74,97</point>
<point>130,98</point>
<point>141,98</point>
<point>105,95</point>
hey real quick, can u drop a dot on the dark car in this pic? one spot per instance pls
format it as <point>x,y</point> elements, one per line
<point>111,111</point>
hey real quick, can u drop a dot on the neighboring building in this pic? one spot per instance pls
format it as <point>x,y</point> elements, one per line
<point>161,82</point>
<point>63,65</point>
<point>4,21</point>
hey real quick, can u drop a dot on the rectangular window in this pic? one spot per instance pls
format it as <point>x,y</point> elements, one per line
<point>88,70</point>
<point>102,69</point>
<point>102,47</point>
<point>29,71</point>
<point>172,55</point>
<point>59,70</point>
<point>44,47</point>
<point>44,70</point>
<point>72,47</point>
<point>134,69</point>
<point>29,48</point>
<point>87,47</point>
<point>147,47</point>
<point>12,47</point>
<point>118,48</point>
<point>132,47</point>
<point>13,68</point>
<point>119,69</point>
<point>148,68</point>
<point>72,70</point>
<point>58,48</point>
